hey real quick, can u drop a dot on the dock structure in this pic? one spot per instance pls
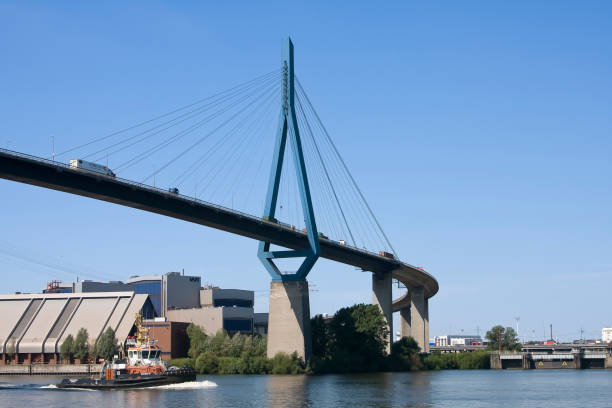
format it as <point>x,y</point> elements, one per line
<point>555,356</point>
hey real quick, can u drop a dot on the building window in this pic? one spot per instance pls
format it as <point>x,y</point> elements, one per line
<point>153,289</point>
<point>232,302</point>
<point>234,325</point>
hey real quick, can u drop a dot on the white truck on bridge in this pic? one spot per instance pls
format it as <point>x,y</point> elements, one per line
<point>89,166</point>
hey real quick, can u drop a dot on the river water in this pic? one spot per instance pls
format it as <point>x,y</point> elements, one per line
<point>479,388</point>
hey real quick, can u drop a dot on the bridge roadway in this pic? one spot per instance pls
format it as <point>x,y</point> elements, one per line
<point>59,176</point>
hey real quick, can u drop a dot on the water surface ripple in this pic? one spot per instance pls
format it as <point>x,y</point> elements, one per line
<point>479,388</point>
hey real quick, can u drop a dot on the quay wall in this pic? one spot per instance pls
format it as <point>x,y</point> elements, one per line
<point>50,369</point>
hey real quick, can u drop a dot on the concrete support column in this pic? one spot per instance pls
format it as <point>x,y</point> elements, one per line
<point>577,360</point>
<point>289,319</point>
<point>419,314</point>
<point>382,297</point>
<point>405,322</point>
<point>496,363</point>
<point>526,363</point>
<point>608,362</point>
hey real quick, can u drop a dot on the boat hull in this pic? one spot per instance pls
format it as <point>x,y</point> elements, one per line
<point>130,381</point>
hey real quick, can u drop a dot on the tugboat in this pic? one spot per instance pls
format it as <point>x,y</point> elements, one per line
<point>143,368</point>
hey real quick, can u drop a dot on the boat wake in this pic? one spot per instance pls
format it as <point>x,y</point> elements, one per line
<point>190,385</point>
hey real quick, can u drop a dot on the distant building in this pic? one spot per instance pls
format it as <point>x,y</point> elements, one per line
<point>86,286</point>
<point>175,301</point>
<point>171,337</point>
<point>228,309</point>
<point>172,290</point>
<point>457,340</point>
<point>606,334</point>
<point>260,323</point>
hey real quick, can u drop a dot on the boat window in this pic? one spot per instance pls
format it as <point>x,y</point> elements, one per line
<point>145,354</point>
<point>139,354</point>
<point>131,354</point>
<point>155,354</point>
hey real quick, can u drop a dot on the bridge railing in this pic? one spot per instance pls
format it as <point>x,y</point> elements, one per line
<point>181,196</point>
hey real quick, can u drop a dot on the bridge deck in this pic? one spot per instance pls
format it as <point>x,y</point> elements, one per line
<point>58,176</point>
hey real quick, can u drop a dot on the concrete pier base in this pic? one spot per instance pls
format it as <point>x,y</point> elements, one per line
<point>496,363</point>
<point>405,322</point>
<point>419,314</point>
<point>608,362</point>
<point>382,297</point>
<point>289,319</point>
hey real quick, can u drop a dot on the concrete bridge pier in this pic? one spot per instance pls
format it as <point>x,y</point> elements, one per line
<point>382,297</point>
<point>289,319</point>
<point>405,321</point>
<point>419,317</point>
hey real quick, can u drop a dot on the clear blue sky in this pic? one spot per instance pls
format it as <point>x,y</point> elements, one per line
<point>481,133</point>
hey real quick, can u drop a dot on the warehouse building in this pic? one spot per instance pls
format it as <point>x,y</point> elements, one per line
<point>34,326</point>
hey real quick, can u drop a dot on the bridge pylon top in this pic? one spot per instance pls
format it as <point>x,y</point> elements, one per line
<point>288,127</point>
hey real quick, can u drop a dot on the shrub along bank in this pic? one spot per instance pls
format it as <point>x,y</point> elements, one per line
<point>352,341</point>
<point>461,361</point>
<point>240,354</point>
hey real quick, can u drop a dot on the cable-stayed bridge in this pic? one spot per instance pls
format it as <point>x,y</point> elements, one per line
<point>217,148</point>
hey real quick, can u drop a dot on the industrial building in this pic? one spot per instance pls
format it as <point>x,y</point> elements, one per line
<point>35,325</point>
<point>179,298</point>
<point>172,290</point>
<point>168,291</point>
<point>606,335</point>
<point>86,286</point>
<point>457,340</point>
<point>228,309</point>
<point>260,323</point>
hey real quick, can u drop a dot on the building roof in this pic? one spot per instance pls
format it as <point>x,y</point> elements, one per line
<point>144,278</point>
<point>39,323</point>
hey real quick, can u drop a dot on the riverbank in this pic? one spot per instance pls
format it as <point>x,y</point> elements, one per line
<point>50,369</point>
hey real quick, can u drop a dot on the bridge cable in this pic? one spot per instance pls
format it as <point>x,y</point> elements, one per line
<point>161,116</point>
<point>301,109</point>
<point>211,176</point>
<point>202,159</point>
<point>188,115</point>
<point>322,126</point>
<point>147,153</point>
<point>198,142</point>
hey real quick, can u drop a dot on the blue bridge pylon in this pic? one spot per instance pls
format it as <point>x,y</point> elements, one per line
<point>288,127</point>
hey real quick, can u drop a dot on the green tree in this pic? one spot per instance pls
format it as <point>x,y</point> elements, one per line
<point>354,340</point>
<point>67,348</point>
<point>81,347</point>
<point>219,344</point>
<point>238,344</point>
<point>508,337</point>
<point>405,355</point>
<point>106,346</point>
<point>320,336</point>
<point>207,363</point>
<point>197,340</point>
